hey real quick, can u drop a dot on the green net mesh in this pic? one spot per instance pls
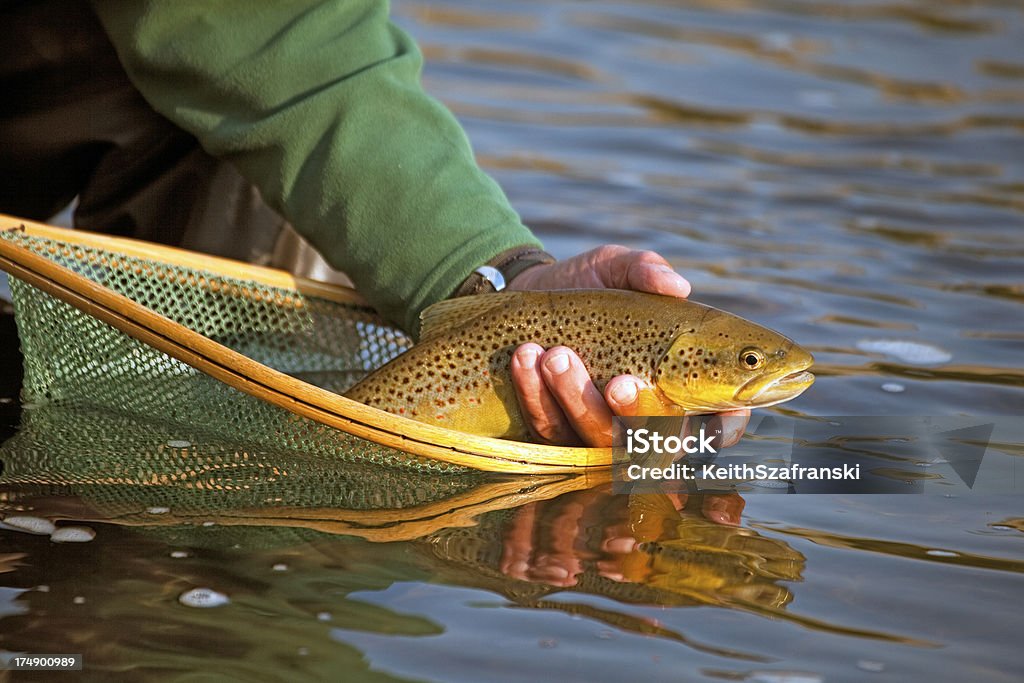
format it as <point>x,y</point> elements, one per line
<point>74,360</point>
<point>126,464</point>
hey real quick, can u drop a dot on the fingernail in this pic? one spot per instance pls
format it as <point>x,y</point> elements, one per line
<point>558,363</point>
<point>717,517</point>
<point>732,429</point>
<point>680,281</point>
<point>551,572</point>
<point>527,358</point>
<point>620,546</point>
<point>624,393</point>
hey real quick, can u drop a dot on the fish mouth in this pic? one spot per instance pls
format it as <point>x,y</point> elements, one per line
<point>759,394</point>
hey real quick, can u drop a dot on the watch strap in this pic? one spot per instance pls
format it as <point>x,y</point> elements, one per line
<point>499,272</point>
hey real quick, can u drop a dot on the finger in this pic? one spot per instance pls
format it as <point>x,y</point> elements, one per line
<point>628,395</point>
<point>623,395</point>
<point>556,561</point>
<point>657,279</point>
<point>544,418</point>
<point>518,543</point>
<point>723,508</point>
<point>645,271</point>
<point>581,402</point>
<point>734,424</point>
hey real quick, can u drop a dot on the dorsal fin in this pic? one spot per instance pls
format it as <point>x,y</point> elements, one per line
<point>448,314</point>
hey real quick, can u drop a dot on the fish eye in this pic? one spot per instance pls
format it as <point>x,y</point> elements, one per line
<point>752,358</point>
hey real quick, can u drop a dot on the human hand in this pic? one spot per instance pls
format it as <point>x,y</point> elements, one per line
<point>551,541</point>
<point>559,400</point>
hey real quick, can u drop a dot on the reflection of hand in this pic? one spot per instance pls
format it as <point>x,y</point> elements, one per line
<point>560,402</point>
<point>548,541</point>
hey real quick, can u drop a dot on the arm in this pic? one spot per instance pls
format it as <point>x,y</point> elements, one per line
<point>319,105</point>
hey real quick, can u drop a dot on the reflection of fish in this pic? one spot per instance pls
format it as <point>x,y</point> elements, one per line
<point>701,359</point>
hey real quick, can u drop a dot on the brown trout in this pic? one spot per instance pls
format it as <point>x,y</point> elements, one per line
<point>700,359</point>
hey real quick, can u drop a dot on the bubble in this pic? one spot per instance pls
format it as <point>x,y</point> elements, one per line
<point>323,616</point>
<point>893,388</point>
<point>180,554</point>
<point>203,597</point>
<point>43,588</point>
<point>158,510</point>
<point>784,677</point>
<point>942,553</point>
<point>819,99</point>
<point>280,567</point>
<point>626,179</point>
<point>78,600</point>
<point>209,523</point>
<point>777,40</point>
<point>914,353</point>
<point>870,665</point>
<point>769,483</point>
<point>28,524</point>
<point>73,534</point>
<point>179,443</point>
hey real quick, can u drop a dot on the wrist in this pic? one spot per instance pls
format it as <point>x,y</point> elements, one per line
<point>527,278</point>
<point>507,267</point>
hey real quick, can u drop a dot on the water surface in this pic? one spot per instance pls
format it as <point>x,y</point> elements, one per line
<point>850,173</point>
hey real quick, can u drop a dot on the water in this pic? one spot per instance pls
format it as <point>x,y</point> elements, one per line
<point>849,173</point>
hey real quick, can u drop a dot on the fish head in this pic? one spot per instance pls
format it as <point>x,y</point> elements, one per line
<point>726,363</point>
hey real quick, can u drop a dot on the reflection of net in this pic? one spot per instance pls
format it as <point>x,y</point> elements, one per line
<point>72,359</point>
<point>122,469</point>
<point>124,465</point>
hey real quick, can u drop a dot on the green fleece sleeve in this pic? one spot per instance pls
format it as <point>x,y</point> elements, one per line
<point>319,104</point>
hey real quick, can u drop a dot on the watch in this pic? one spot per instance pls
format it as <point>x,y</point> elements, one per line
<point>497,273</point>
